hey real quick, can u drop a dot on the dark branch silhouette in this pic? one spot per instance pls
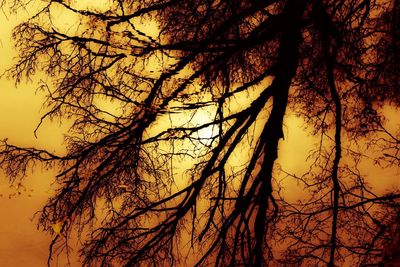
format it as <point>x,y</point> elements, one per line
<point>335,64</point>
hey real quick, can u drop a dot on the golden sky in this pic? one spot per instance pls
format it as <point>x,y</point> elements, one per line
<point>21,244</point>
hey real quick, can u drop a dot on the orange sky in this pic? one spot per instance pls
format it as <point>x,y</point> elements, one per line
<point>21,244</point>
<point>20,108</point>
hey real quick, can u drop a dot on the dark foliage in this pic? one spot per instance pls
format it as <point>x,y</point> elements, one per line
<point>333,63</point>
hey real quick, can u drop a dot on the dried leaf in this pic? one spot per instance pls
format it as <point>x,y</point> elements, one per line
<point>57,227</point>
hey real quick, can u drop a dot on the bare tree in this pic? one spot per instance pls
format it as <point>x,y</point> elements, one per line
<point>333,63</point>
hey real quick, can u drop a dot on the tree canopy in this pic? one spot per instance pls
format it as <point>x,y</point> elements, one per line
<point>246,63</point>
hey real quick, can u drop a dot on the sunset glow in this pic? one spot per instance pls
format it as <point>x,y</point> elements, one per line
<point>199,133</point>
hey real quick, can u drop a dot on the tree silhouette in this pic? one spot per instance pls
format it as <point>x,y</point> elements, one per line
<point>333,63</point>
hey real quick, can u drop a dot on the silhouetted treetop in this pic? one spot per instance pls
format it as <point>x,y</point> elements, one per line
<point>134,77</point>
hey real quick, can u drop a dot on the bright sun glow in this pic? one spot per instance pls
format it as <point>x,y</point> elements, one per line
<point>202,117</point>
